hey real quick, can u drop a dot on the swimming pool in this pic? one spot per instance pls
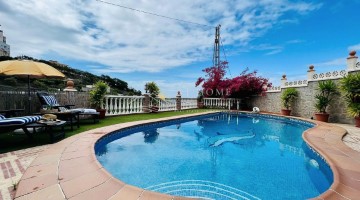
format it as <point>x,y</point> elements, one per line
<point>218,156</point>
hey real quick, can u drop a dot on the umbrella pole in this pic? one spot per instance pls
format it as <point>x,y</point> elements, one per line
<point>29,95</point>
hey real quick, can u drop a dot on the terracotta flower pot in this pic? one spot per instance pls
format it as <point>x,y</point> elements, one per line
<point>357,121</point>
<point>285,112</point>
<point>154,109</point>
<point>102,113</point>
<point>323,117</point>
<point>200,104</point>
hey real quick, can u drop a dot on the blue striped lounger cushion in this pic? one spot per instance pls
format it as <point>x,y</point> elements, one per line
<point>13,121</point>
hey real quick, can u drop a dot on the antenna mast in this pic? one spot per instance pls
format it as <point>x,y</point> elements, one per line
<point>216,56</point>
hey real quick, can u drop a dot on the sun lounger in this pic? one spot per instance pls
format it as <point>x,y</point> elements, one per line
<point>47,100</point>
<point>12,123</point>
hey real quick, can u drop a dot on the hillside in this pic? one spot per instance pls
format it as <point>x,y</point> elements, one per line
<point>81,78</point>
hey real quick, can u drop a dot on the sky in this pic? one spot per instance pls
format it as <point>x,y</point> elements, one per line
<point>273,37</point>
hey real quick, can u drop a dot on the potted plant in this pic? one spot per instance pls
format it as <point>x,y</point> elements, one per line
<point>154,91</point>
<point>327,91</point>
<point>97,97</point>
<point>200,99</point>
<point>287,98</point>
<point>350,88</point>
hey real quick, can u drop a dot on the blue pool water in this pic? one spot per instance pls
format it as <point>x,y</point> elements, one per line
<point>218,156</point>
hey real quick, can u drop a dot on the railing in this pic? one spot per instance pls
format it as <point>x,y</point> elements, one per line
<point>167,104</point>
<point>274,89</point>
<point>311,77</point>
<point>330,75</point>
<point>221,103</point>
<point>303,83</point>
<point>121,105</point>
<point>188,103</point>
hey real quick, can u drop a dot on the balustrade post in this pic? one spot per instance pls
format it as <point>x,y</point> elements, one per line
<point>310,73</point>
<point>106,103</point>
<point>146,105</point>
<point>116,109</point>
<point>352,64</point>
<point>283,81</point>
<point>140,105</point>
<point>178,101</point>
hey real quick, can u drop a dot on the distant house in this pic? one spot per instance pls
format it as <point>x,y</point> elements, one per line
<point>4,48</point>
<point>88,88</point>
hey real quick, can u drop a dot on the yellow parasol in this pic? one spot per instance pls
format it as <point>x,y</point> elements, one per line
<point>161,96</point>
<point>29,69</point>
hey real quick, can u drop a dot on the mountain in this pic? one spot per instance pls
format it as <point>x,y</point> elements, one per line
<point>81,79</point>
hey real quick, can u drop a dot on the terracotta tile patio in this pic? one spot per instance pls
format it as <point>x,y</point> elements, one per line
<point>70,170</point>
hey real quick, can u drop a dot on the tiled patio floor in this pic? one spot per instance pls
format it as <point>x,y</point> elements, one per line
<point>14,164</point>
<point>352,139</point>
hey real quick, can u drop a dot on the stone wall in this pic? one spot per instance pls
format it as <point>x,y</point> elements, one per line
<point>304,104</point>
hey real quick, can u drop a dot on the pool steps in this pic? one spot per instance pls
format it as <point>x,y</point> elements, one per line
<point>201,189</point>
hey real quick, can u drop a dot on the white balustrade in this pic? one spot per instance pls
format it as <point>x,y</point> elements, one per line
<point>303,83</point>
<point>221,102</point>
<point>188,103</point>
<point>274,89</point>
<point>119,105</point>
<point>329,75</point>
<point>167,104</point>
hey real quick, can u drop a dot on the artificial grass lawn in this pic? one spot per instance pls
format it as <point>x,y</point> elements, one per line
<point>12,142</point>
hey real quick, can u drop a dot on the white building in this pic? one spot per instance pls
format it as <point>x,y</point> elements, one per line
<point>4,48</point>
<point>88,88</point>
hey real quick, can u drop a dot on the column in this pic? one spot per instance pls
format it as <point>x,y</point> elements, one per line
<point>283,81</point>
<point>310,73</point>
<point>146,105</point>
<point>178,101</point>
<point>352,64</point>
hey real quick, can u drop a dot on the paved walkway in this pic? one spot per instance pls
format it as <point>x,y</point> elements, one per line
<point>14,164</point>
<point>352,139</point>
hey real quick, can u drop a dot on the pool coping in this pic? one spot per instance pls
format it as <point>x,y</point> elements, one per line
<point>69,169</point>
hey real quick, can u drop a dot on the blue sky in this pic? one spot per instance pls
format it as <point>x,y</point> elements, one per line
<point>272,37</point>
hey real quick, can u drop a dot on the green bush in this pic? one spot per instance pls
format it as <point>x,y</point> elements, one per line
<point>350,88</point>
<point>153,90</point>
<point>200,96</point>
<point>327,90</point>
<point>98,93</point>
<point>288,97</point>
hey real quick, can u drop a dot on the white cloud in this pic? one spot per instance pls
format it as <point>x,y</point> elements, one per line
<point>127,41</point>
<point>354,47</point>
<point>275,51</point>
<point>332,63</point>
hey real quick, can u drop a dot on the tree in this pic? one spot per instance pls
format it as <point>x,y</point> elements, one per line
<point>213,84</point>
<point>245,85</point>
<point>248,84</point>
<point>98,93</point>
<point>152,88</point>
<point>10,81</point>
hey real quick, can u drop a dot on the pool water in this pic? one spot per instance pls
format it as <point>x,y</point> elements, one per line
<point>218,156</point>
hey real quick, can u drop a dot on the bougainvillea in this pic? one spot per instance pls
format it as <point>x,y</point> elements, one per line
<point>245,85</point>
